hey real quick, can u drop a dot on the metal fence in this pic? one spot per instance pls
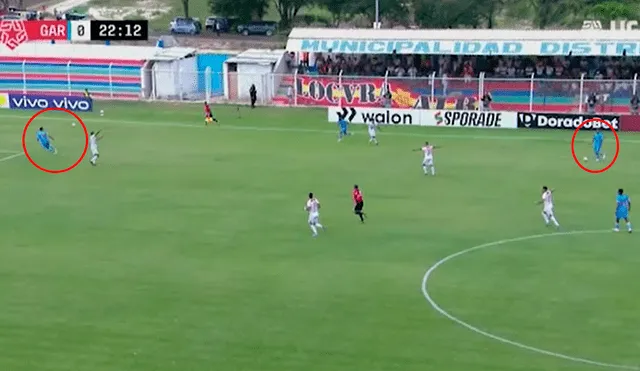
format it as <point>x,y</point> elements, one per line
<point>530,94</point>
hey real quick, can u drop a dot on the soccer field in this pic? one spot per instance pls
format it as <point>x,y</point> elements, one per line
<point>187,247</point>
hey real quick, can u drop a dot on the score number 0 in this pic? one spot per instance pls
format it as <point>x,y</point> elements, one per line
<point>80,30</point>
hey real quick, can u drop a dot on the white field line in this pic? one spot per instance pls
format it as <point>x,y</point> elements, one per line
<point>318,131</point>
<point>477,330</point>
<point>7,158</point>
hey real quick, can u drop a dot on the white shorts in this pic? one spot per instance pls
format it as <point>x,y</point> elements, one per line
<point>314,218</point>
<point>548,210</point>
<point>94,151</point>
<point>428,161</point>
<point>372,133</point>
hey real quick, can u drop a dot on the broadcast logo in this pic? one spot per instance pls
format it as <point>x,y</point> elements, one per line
<point>13,33</point>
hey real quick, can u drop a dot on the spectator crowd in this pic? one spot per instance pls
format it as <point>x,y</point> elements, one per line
<point>469,67</point>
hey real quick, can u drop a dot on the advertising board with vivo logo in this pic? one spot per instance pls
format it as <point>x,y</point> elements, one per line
<point>531,120</point>
<point>40,102</point>
<point>475,119</point>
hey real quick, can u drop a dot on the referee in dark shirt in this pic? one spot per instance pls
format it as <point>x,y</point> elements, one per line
<point>359,203</point>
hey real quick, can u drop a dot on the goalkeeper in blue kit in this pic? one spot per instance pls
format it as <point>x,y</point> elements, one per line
<point>44,139</point>
<point>343,126</point>
<point>598,138</point>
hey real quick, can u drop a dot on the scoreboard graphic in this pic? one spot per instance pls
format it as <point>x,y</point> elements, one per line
<point>16,32</point>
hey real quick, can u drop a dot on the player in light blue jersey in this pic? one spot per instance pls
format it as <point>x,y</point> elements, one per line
<point>623,206</point>
<point>44,139</point>
<point>343,126</point>
<point>598,138</point>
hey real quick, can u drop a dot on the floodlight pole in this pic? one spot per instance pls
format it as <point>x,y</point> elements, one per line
<point>377,12</point>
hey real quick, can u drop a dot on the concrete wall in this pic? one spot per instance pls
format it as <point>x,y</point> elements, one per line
<point>216,63</point>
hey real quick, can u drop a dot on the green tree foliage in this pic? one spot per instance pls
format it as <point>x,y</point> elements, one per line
<point>438,13</point>
<point>185,7</point>
<point>447,13</point>
<point>245,10</point>
<point>340,9</point>
<point>288,9</point>
<point>614,10</point>
<point>489,10</point>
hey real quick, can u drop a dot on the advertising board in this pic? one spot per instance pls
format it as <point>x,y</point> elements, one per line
<point>40,102</point>
<point>559,121</point>
<point>417,117</point>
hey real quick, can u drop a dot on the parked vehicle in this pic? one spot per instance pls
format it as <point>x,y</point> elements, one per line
<point>258,28</point>
<point>72,16</point>
<point>11,17</point>
<point>29,15</point>
<point>225,23</point>
<point>183,25</point>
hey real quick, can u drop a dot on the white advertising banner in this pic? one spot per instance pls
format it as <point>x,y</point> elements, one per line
<point>382,116</point>
<point>472,119</point>
<point>417,117</point>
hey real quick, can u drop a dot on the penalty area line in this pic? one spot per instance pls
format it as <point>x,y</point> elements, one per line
<point>312,131</point>
<point>7,158</point>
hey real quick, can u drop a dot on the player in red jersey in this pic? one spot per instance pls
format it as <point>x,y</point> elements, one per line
<point>359,203</point>
<point>208,116</point>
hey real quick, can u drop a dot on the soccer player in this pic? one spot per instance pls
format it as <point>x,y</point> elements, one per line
<point>547,210</point>
<point>427,162</point>
<point>359,203</point>
<point>372,127</point>
<point>313,207</point>
<point>343,126</point>
<point>45,141</point>
<point>623,206</point>
<point>93,145</point>
<point>208,116</point>
<point>598,138</point>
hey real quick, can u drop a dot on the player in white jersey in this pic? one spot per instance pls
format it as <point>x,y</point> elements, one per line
<point>427,162</point>
<point>313,208</point>
<point>547,208</point>
<point>371,128</point>
<point>93,146</point>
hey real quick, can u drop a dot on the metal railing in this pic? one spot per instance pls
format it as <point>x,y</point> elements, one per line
<point>188,84</point>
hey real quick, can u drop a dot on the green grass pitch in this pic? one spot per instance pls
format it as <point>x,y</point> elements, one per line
<point>187,248</point>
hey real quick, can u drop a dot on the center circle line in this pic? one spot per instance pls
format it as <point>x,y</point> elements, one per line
<point>434,305</point>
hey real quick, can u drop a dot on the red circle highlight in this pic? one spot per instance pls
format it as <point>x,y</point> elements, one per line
<point>86,140</point>
<point>573,148</point>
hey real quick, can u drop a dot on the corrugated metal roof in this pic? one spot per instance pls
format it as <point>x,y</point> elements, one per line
<point>91,51</point>
<point>462,34</point>
<point>258,56</point>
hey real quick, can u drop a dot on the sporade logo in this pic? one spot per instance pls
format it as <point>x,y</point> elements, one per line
<point>561,121</point>
<point>469,118</point>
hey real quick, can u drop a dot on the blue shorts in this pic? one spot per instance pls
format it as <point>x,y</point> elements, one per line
<point>45,145</point>
<point>596,149</point>
<point>622,214</point>
<point>343,130</point>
